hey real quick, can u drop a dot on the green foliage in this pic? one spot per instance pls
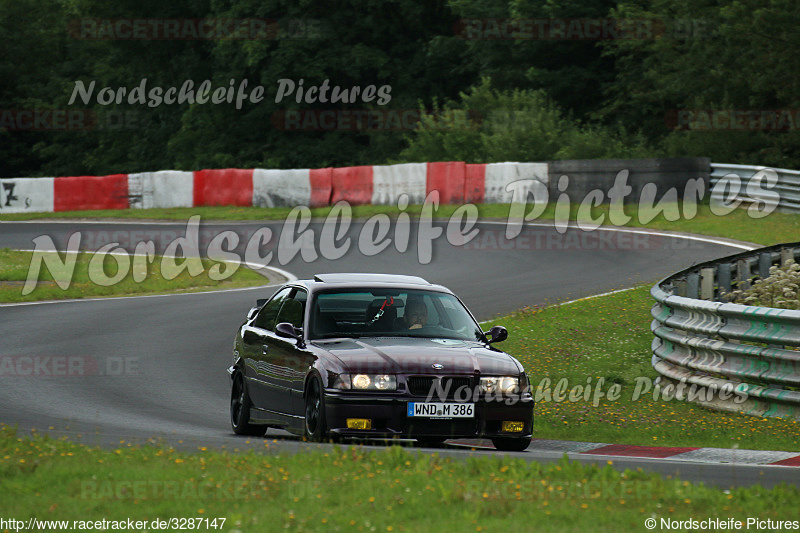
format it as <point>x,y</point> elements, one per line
<point>709,57</point>
<point>266,487</point>
<point>548,98</point>
<point>573,73</point>
<point>487,125</point>
<point>780,290</point>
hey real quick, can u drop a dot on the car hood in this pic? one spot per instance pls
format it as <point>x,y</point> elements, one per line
<point>400,355</point>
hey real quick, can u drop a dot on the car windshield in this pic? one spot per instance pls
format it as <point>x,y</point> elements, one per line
<point>391,313</point>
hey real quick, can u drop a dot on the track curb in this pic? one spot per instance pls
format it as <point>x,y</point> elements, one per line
<point>733,456</point>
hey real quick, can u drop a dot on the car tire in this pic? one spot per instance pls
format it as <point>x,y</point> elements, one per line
<point>316,428</point>
<point>240,409</point>
<point>511,444</point>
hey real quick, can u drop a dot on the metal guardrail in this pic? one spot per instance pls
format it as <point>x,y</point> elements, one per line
<point>728,356</point>
<point>787,187</point>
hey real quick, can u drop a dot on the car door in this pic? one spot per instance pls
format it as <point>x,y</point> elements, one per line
<point>291,358</point>
<point>256,339</point>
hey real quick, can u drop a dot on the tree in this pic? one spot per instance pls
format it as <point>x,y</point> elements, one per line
<point>488,126</point>
<point>712,58</point>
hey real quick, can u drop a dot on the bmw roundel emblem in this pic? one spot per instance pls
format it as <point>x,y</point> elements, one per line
<point>437,366</point>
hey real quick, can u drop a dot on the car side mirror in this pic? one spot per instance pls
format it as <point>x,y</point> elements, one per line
<point>496,334</point>
<point>288,331</point>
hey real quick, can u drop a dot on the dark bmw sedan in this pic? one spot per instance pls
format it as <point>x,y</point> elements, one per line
<point>376,356</point>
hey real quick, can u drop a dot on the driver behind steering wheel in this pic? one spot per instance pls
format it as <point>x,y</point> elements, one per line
<point>416,315</point>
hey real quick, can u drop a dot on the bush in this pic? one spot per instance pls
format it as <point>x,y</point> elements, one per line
<point>488,126</point>
<point>779,290</point>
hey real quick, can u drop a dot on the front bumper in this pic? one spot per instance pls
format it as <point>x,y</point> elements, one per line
<point>390,419</point>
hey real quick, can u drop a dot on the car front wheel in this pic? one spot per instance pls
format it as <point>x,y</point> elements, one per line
<point>316,426</point>
<point>240,409</point>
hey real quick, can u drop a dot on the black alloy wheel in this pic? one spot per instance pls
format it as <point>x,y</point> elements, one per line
<point>240,409</point>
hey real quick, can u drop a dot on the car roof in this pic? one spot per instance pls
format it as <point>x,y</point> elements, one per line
<point>363,280</point>
<point>369,278</point>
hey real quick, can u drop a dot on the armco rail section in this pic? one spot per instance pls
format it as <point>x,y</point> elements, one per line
<point>738,357</point>
<point>787,187</point>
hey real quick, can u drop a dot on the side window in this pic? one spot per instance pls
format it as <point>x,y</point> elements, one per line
<point>266,317</point>
<point>293,309</point>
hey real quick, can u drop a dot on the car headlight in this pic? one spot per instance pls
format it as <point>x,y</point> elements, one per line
<point>524,383</point>
<point>366,382</point>
<point>502,385</point>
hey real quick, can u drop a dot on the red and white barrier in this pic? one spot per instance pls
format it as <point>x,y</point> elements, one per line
<point>449,179</point>
<point>26,195</point>
<point>226,186</point>
<point>352,184</point>
<point>455,181</point>
<point>474,183</point>
<point>500,175</point>
<point>389,182</point>
<point>165,188</point>
<point>82,193</point>
<point>321,186</point>
<point>288,188</point>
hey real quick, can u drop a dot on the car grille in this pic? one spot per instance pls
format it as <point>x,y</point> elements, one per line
<point>424,385</point>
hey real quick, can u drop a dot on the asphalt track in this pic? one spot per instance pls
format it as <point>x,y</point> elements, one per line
<point>154,367</point>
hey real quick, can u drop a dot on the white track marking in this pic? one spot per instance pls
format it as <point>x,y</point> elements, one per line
<point>291,277</point>
<point>283,273</point>
<point>639,231</point>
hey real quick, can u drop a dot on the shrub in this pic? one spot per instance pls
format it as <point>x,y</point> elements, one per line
<point>779,290</point>
<point>487,126</point>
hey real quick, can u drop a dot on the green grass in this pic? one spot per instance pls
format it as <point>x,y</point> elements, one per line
<point>352,489</point>
<point>609,337</point>
<point>772,229</point>
<point>14,267</point>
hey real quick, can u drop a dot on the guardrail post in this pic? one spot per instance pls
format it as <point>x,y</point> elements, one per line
<point>743,274</point>
<point>680,287</point>
<point>693,285</point>
<point>787,254</point>
<point>764,262</point>
<point>707,283</point>
<point>724,279</point>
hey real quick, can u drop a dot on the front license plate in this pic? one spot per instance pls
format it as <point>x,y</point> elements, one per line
<point>441,410</point>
